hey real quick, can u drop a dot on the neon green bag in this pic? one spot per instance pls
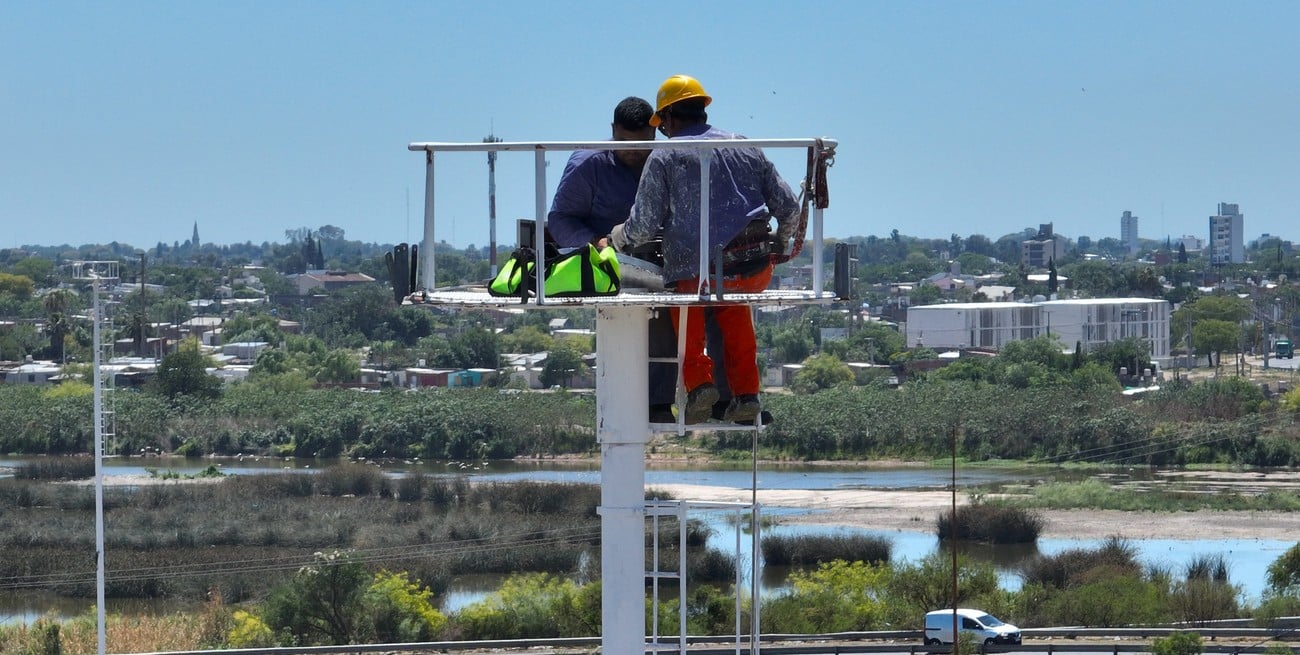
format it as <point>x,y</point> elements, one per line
<point>569,272</point>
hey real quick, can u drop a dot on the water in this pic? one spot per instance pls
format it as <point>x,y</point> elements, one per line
<point>1248,559</point>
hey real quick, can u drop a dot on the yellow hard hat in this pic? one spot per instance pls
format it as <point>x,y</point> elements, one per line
<point>676,89</point>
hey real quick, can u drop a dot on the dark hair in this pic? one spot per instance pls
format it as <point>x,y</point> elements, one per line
<point>690,110</point>
<point>633,114</point>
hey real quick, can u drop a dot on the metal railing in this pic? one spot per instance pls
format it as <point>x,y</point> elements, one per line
<point>841,642</point>
<point>539,150</point>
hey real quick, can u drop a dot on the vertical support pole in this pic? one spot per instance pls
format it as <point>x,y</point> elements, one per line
<point>819,269</point>
<point>819,274</point>
<point>101,618</point>
<point>706,162</point>
<point>682,518</point>
<point>539,196</point>
<point>622,428</point>
<point>430,280</point>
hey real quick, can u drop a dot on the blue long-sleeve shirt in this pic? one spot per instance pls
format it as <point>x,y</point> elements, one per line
<point>743,186</point>
<point>595,193</point>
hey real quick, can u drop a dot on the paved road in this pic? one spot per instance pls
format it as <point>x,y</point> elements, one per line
<point>1274,363</point>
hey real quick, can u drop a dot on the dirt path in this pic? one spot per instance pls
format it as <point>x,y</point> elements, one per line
<point>915,511</point>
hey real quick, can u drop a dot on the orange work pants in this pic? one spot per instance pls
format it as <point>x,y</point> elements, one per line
<point>739,349</point>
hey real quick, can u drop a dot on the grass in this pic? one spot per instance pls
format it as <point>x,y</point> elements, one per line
<point>812,550</point>
<point>124,634</point>
<point>1096,494</point>
<point>57,468</point>
<point>990,523</point>
<point>1076,565</point>
<point>241,535</point>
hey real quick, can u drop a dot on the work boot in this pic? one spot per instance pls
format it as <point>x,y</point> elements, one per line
<point>699,403</point>
<point>662,414</point>
<point>743,409</point>
<point>720,414</point>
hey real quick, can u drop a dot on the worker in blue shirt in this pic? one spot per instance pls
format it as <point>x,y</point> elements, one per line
<point>596,193</point>
<point>597,187</point>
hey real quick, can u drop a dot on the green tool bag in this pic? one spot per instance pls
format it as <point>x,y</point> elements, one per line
<point>582,271</point>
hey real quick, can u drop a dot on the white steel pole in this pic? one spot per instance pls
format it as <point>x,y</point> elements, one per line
<point>706,158</point>
<point>430,281</point>
<point>819,274</point>
<point>101,617</point>
<point>539,198</point>
<point>623,428</point>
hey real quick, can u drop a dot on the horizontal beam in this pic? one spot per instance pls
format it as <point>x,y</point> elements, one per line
<point>561,146</point>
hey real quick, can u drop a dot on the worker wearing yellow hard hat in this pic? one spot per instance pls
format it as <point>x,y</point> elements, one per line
<point>746,192</point>
<point>674,90</point>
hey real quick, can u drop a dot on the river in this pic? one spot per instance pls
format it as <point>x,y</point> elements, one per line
<point>1248,559</point>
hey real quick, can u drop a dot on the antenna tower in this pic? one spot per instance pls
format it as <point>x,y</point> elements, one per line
<point>102,276</point>
<point>492,203</point>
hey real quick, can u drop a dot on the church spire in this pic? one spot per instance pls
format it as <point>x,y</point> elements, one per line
<point>194,241</point>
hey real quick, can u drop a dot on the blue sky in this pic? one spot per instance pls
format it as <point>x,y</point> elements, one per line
<point>130,121</point>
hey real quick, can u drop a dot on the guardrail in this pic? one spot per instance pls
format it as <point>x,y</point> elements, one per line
<point>811,644</point>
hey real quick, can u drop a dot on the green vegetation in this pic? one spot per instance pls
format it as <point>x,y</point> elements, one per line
<point>1096,494</point>
<point>813,550</point>
<point>990,523</point>
<point>360,591</point>
<point>187,540</point>
<point>1179,643</point>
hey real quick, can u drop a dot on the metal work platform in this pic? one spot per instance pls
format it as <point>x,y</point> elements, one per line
<point>632,298</point>
<point>622,334</point>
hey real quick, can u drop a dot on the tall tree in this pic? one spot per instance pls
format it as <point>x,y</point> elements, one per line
<point>184,373</point>
<point>56,305</point>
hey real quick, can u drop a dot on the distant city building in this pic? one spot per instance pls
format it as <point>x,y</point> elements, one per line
<point>1190,243</point>
<point>1043,248</point>
<point>1227,235</point>
<point>1089,323</point>
<point>1128,232</point>
<point>327,281</point>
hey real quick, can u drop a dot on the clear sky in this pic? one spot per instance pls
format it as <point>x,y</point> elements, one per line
<point>130,121</point>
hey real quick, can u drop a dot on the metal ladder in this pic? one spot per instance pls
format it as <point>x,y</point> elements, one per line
<point>680,509</point>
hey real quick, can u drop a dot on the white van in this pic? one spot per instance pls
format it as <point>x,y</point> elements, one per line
<point>983,626</point>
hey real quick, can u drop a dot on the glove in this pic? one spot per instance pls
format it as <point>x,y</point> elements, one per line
<point>618,240</point>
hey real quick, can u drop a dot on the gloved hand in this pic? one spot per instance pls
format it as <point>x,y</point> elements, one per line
<point>618,240</point>
<point>784,233</point>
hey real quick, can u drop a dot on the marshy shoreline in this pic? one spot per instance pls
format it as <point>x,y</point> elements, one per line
<point>916,511</point>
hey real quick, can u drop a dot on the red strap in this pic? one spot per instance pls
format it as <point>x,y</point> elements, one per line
<point>814,189</point>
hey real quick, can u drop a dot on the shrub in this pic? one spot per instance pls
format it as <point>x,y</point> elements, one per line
<point>1275,606</point>
<point>532,605</point>
<point>1178,643</point>
<point>249,631</point>
<point>1074,566</point>
<point>400,610</point>
<point>1200,600</point>
<point>57,468</point>
<point>1284,572</point>
<point>1109,601</point>
<point>989,523</point>
<point>322,602</point>
<point>358,480</point>
<point>839,596</point>
<point>813,550</point>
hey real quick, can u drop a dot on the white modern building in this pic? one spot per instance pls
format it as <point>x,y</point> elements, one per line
<point>1227,235</point>
<point>1128,232</point>
<point>1089,323</point>
<point>1039,251</point>
<point>1191,243</point>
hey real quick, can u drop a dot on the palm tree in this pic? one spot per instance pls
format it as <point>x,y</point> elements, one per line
<point>56,304</point>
